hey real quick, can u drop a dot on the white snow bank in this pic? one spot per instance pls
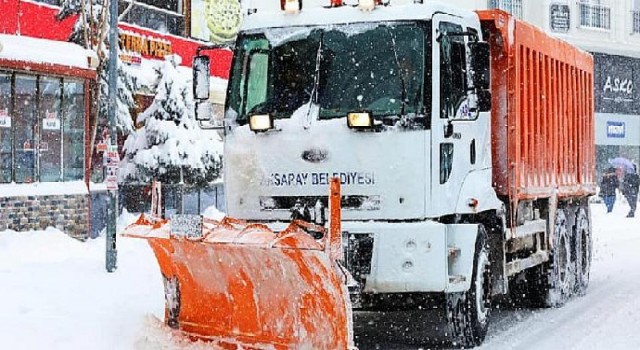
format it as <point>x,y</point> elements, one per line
<point>34,50</point>
<point>58,296</point>
<point>213,213</point>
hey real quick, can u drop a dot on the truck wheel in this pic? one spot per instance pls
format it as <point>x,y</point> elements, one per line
<point>468,312</point>
<point>582,231</point>
<point>561,272</point>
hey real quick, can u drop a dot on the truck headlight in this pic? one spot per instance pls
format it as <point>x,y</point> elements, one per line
<point>260,122</point>
<point>360,120</point>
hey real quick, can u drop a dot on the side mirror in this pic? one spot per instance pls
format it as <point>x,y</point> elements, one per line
<point>480,65</point>
<point>201,76</point>
<point>204,111</point>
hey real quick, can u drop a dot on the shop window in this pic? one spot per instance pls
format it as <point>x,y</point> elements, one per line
<point>42,128</point>
<point>25,128</point>
<point>5,128</point>
<point>73,130</point>
<point>50,122</point>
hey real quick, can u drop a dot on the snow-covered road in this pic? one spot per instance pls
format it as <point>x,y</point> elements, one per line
<point>57,295</point>
<point>608,317</point>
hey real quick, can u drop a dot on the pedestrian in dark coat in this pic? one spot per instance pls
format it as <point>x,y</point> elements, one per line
<point>608,186</point>
<point>631,185</point>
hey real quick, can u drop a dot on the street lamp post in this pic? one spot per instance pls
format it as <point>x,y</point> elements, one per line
<point>112,252</point>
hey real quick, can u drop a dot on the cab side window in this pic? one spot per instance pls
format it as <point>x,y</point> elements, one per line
<point>453,69</point>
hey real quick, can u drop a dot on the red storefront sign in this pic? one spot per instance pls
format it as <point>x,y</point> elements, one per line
<point>38,20</point>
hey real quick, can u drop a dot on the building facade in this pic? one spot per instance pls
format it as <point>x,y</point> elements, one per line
<point>49,176</point>
<point>44,122</point>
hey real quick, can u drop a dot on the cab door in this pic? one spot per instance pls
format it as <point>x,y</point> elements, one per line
<point>453,141</point>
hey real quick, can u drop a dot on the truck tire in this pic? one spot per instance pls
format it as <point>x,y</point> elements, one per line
<point>584,246</point>
<point>468,312</point>
<point>551,284</point>
<point>561,270</point>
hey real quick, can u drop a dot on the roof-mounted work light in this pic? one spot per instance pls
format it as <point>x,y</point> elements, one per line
<point>291,6</point>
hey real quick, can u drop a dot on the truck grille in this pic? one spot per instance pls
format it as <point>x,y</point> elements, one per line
<point>347,202</point>
<point>358,251</point>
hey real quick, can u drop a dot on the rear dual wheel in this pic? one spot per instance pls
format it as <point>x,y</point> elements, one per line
<point>582,231</point>
<point>552,283</point>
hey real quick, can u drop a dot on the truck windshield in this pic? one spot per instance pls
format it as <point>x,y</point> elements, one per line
<point>341,68</point>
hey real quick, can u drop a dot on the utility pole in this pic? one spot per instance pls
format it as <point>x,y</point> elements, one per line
<point>112,252</point>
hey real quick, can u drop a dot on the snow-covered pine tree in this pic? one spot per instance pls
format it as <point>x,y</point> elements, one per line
<point>171,139</point>
<point>91,31</point>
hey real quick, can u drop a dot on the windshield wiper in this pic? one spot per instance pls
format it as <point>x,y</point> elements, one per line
<point>316,80</point>
<point>403,93</point>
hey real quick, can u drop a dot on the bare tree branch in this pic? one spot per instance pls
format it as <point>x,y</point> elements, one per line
<point>103,27</point>
<point>85,33</point>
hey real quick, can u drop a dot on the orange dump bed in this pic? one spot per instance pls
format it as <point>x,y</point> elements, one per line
<point>542,111</point>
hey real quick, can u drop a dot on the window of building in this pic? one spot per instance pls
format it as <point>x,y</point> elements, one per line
<point>73,139</point>
<point>6,136</point>
<point>51,130</point>
<point>514,7</point>
<point>50,2</point>
<point>42,128</point>
<point>594,15</point>
<point>635,17</point>
<point>165,16</point>
<point>25,128</point>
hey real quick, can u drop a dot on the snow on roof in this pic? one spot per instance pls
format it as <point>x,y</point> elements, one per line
<point>43,51</point>
<point>349,14</point>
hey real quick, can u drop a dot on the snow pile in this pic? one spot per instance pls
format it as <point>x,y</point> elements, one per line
<point>213,213</point>
<point>58,294</point>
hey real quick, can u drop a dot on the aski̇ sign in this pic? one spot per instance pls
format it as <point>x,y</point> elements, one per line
<point>5,120</point>
<point>615,130</point>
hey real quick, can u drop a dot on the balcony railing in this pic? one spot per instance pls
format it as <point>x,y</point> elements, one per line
<point>151,17</point>
<point>514,7</point>
<point>635,25</point>
<point>595,16</point>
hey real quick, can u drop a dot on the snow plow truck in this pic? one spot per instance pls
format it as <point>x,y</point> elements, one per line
<point>381,157</point>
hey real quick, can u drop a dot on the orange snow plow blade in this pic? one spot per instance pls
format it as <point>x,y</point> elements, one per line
<point>240,284</point>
